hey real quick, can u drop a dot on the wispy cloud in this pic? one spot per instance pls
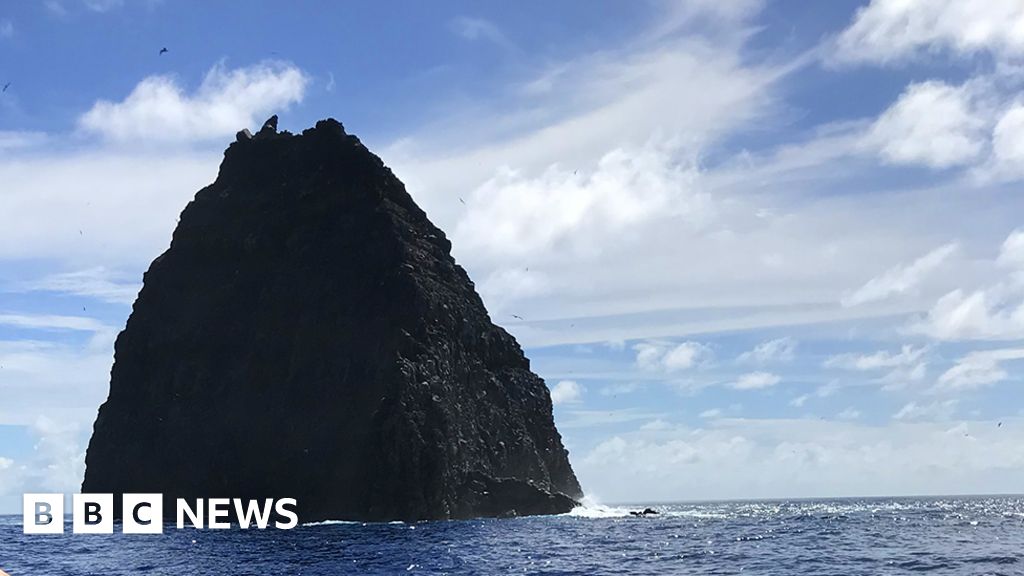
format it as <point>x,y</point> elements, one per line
<point>978,369</point>
<point>892,31</point>
<point>900,279</point>
<point>472,28</point>
<point>777,350</point>
<point>99,283</point>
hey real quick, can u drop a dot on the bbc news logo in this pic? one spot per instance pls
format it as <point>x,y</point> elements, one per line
<point>143,513</point>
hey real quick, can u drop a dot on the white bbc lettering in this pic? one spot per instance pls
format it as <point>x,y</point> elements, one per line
<point>92,513</point>
<point>42,513</point>
<point>142,514</point>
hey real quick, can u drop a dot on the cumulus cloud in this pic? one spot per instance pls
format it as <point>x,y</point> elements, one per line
<point>56,462</point>
<point>566,392</point>
<point>1008,144</point>
<point>756,380</point>
<point>6,28</point>
<point>887,31</point>
<point>662,356</point>
<point>227,100</point>
<point>900,279</point>
<point>932,124</point>
<point>612,189</point>
<point>777,350</point>
<point>512,214</point>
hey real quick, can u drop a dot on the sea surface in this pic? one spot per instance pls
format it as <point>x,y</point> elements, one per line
<point>944,535</point>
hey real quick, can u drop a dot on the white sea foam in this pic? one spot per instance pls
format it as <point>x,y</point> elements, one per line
<point>330,522</point>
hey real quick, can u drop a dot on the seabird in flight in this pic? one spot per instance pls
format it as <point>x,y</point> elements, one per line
<point>162,50</point>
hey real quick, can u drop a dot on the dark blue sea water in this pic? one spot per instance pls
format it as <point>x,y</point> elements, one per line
<point>973,535</point>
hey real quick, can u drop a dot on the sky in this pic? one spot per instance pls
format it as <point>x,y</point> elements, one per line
<point>756,249</point>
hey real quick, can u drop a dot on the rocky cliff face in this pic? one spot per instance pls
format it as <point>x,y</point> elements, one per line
<point>308,335</point>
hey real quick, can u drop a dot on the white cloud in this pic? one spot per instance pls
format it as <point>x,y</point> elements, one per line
<point>902,377</point>
<point>99,283</point>
<point>55,464</point>
<point>1008,144</point>
<point>566,392</point>
<point>893,30</point>
<point>606,182</point>
<point>117,209</point>
<point>514,215</point>
<point>933,124</point>
<point>994,312</point>
<point>55,8</point>
<point>900,279</point>
<point>711,414</point>
<point>1011,253</point>
<point>800,400</point>
<point>941,410</point>
<point>472,28</point>
<point>756,380</point>
<point>64,381</point>
<point>778,458</point>
<point>6,28</point>
<point>662,356</point>
<point>158,109</point>
<point>52,322</point>
<point>777,350</point>
<point>908,355</point>
<point>848,414</point>
<point>597,418</point>
<point>978,369</point>
<point>102,5</point>
<point>982,314</point>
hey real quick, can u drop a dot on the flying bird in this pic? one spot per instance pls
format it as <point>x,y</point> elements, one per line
<point>517,317</point>
<point>461,200</point>
<point>162,51</point>
<point>6,86</point>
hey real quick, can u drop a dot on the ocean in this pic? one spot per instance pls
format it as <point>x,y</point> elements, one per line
<point>876,536</point>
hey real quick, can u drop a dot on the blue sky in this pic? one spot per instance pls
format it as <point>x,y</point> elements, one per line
<point>760,249</point>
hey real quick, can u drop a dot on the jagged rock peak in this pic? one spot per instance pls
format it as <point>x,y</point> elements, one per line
<point>308,334</point>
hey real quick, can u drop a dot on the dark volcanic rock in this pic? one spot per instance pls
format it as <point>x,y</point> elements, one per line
<point>309,335</point>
